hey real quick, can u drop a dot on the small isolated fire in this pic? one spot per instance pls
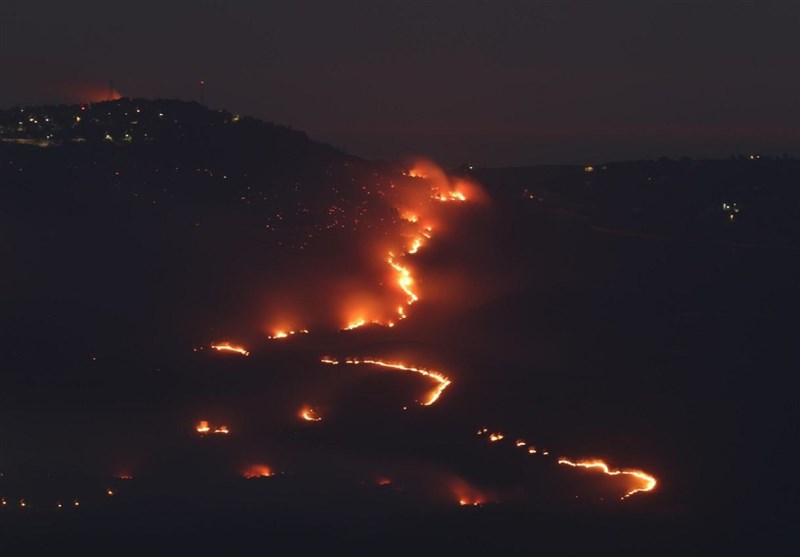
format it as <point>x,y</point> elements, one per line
<point>228,347</point>
<point>203,428</point>
<point>442,381</point>
<point>257,471</point>
<point>648,482</point>
<point>309,414</point>
<point>494,437</point>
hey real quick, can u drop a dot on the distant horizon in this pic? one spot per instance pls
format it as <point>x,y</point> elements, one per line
<point>492,84</point>
<point>376,151</point>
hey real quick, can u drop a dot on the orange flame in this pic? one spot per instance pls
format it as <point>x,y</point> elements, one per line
<point>309,414</point>
<point>284,334</point>
<point>649,481</point>
<point>228,347</point>
<point>203,427</point>
<point>257,471</point>
<point>442,381</point>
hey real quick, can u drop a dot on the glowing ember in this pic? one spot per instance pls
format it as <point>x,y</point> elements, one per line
<point>442,381</point>
<point>228,347</point>
<point>223,429</point>
<point>257,471</point>
<point>309,414</point>
<point>384,481</point>
<point>649,482</point>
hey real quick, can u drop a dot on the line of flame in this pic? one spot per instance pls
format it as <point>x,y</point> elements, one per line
<point>228,347</point>
<point>442,381</point>
<point>649,481</point>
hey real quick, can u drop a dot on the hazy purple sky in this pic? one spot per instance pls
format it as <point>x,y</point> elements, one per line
<point>491,83</point>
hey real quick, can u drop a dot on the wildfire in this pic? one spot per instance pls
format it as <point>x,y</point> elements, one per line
<point>285,334</point>
<point>404,279</point>
<point>649,482</point>
<point>309,414</point>
<point>257,471</point>
<point>355,324</point>
<point>228,347</point>
<point>449,196</point>
<point>442,381</point>
<point>494,437</point>
<point>203,427</point>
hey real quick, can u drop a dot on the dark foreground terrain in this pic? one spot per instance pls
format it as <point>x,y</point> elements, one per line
<point>664,343</point>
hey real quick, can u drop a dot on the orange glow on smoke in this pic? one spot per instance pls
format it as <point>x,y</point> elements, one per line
<point>309,414</point>
<point>442,381</point>
<point>203,427</point>
<point>257,471</point>
<point>228,347</point>
<point>466,495</point>
<point>648,482</point>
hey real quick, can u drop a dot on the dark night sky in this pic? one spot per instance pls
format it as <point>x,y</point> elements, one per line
<point>496,83</point>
